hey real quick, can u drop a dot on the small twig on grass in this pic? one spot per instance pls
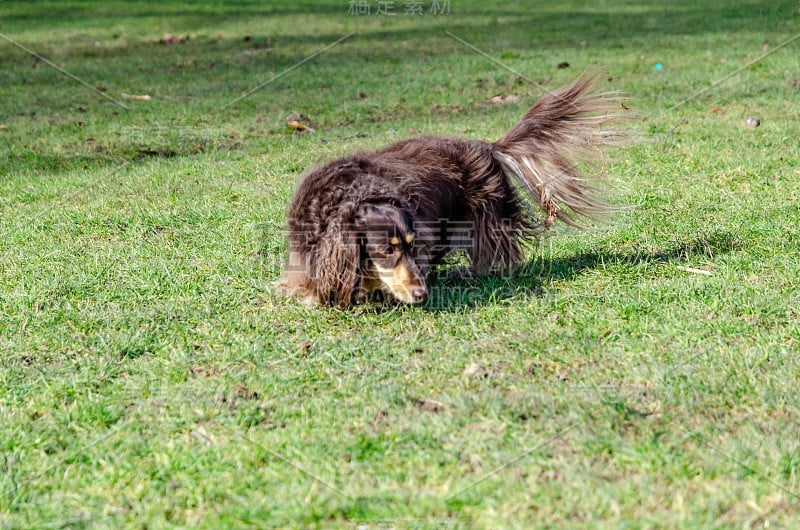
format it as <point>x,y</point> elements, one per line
<point>71,76</point>
<point>695,271</point>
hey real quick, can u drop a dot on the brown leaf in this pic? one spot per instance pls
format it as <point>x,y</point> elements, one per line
<point>169,38</point>
<point>505,98</point>
<point>203,371</point>
<point>430,405</point>
<point>299,127</point>
<point>242,392</point>
<point>476,370</point>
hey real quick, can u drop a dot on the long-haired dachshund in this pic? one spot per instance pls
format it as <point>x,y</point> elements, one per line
<point>379,222</point>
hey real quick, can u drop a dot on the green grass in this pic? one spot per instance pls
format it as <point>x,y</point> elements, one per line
<point>151,377</point>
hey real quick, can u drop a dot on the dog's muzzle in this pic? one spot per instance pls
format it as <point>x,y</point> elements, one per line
<point>404,284</point>
<point>418,294</point>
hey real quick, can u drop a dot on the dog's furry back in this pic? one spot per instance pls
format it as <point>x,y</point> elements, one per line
<point>461,181</point>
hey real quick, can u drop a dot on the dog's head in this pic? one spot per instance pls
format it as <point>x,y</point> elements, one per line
<point>387,259</point>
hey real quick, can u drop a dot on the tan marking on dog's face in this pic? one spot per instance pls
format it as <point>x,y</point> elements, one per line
<point>394,241</point>
<point>409,238</point>
<point>398,280</point>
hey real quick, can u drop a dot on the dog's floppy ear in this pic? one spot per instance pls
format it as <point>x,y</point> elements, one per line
<point>335,263</point>
<point>381,211</point>
<point>364,213</point>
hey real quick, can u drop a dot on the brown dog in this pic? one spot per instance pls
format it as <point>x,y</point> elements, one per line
<point>378,222</point>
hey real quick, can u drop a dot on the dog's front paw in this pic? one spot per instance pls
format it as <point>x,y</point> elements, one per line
<point>306,296</point>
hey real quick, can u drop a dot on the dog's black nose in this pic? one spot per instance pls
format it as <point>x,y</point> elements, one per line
<point>419,294</point>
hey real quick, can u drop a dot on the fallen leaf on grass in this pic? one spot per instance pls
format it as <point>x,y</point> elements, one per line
<point>476,370</point>
<point>299,127</point>
<point>715,110</point>
<point>445,109</point>
<point>3,126</point>
<point>203,371</point>
<point>503,99</point>
<point>429,405</point>
<point>240,391</point>
<point>169,38</point>
<point>142,97</point>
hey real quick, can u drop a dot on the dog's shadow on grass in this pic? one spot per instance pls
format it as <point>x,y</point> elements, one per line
<point>455,289</point>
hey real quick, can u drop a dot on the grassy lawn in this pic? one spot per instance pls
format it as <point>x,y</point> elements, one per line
<point>150,377</point>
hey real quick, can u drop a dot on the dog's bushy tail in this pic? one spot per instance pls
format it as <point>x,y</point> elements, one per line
<point>562,132</point>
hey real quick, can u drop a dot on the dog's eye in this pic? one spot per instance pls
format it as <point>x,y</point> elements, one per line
<point>389,250</point>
